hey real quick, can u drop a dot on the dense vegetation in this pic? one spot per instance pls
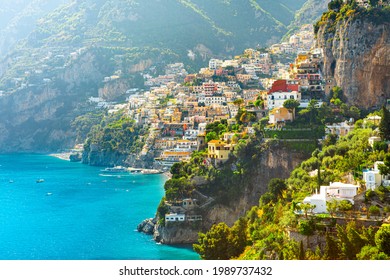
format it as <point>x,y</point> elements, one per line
<point>342,11</point>
<point>116,133</point>
<point>262,231</point>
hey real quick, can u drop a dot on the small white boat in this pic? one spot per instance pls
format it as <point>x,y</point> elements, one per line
<point>40,180</point>
<point>49,193</point>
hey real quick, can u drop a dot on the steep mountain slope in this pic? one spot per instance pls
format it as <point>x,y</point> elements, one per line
<point>218,27</point>
<point>18,19</point>
<point>310,12</point>
<point>356,44</point>
<point>55,54</point>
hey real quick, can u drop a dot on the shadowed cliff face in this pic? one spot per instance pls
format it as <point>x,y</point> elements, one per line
<point>357,55</point>
<point>38,118</point>
<point>39,123</point>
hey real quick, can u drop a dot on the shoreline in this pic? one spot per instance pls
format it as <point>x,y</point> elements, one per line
<point>167,174</point>
<point>63,156</point>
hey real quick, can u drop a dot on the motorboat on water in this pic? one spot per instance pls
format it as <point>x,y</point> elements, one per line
<point>115,169</point>
<point>40,181</point>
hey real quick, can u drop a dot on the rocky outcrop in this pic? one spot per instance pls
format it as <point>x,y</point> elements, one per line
<point>95,157</point>
<point>75,157</point>
<point>35,122</point>
<point>176,233</point>
<point>147,226</point>
<point>114,89</point>
<point>357,55</point>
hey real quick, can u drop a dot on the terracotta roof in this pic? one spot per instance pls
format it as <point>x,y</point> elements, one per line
<point>283,86</point>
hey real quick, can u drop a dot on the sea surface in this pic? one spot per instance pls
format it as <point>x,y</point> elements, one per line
<point>77,212</point>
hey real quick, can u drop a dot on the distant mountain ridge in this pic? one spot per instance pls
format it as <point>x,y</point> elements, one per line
<point>55,54</point>
<point>172,24</point>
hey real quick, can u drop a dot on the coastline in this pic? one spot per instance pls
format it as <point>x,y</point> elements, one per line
<point>167,174</point>
<point>63,155</point>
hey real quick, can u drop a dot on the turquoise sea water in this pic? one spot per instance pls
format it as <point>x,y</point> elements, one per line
<point>76,213</point>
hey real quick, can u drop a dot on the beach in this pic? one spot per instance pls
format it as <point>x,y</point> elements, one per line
<point>63,155</point>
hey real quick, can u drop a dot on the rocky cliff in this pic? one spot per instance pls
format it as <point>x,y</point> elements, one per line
<point>357,55</point>
<point>275,162</point>
<point>38,117</point>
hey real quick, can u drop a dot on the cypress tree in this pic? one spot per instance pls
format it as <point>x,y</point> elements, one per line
<point>384,126</point>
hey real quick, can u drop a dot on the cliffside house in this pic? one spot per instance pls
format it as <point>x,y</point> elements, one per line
<point>218,151</point>
<point>175,217</point>
<point>337,190</point>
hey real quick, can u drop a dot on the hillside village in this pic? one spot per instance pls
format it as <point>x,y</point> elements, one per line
<point>179,108</point>
<point>197,128</point>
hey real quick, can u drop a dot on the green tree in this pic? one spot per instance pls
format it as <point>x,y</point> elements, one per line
<point>177,170</point>
<point>311,112</point>
<point>335,4</point>
<point>238,237</point>
<point>331,250</point>
<point>371,253</point>
<point>380,146</point>
<point>259,103</point>
<point>177,189</point>
<point>214,245</point>
<point>162,209</point>
<point>306,227</point>
<point>345,205</point>
<point>374,210</point>
<point>384,125</point>
<point>306,208</point>
<point>332,206</point>
<point>382,239</point>
<point>211,136</point>
<point>276,187</point>
<point>291,105</point>
<point>384,169</point>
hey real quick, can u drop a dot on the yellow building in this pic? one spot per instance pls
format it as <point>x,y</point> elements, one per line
<point>279,115</point>
<point>219,151</point>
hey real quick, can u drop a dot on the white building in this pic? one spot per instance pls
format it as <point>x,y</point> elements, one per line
<point>339,129</point>
<point>214,64</point>
<point>276,99</point>
<point>174,217</point>
<point>191,134</point>
<point>214,100</point>
<point>337,190</point>
<point>373,178</point>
